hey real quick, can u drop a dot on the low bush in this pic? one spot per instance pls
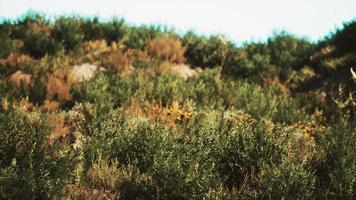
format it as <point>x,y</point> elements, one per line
<point>166,49</point>
<point>286,180</point>
<point>288,52</point>
<point>6,45</point>
<point>30,168</point>
<point>112,31</point>
<point>205,52</point>
<point>129,142</point>
<point>39,44</point>
<point>67,33</point>
<point>137,37</point>
<point>334,167</point>
<point>247,152</point>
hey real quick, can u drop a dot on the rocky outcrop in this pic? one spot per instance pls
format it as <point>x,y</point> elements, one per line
<point>184,71</point>
<point>83,72</point>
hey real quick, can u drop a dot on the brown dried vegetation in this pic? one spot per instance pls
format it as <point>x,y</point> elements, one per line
<point>21,79</point>
<point>58,86</point>
<point>15,59</point>
<point>167,49</point>
<point>119,61</point>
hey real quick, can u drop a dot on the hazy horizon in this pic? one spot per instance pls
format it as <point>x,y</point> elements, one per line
<point>240,21</point>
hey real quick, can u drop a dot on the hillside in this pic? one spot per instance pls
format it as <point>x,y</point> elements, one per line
<point>95,109</point>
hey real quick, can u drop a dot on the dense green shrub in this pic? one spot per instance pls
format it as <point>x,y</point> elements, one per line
<point>248,63</point>
<point>137,186</point>
<point>115,30</point>
<point>185,164</point>
<point>208,91</point>
<point>96,91</point>
<point>267,102</point>
<point>23,24</point>
<point>285,181</point>
<point>205,52</point>
<point>112,31</point>
<point>37,93</point>
<point>246,153</point>
<point>344,39</point>
<point>138,36</point>
<point>288,52</point>
<point>131,142</point>
<point>6,45</point>
<point>92,29</point>
<point>282,54</point>
<point>335,167</point>
<point>30,167</point>
<point>67,33</point>
<point>39,44</point>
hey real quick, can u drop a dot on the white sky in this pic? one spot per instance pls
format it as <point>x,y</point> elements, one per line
<point>240,20</point>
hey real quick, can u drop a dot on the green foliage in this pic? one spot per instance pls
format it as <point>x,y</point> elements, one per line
<point>28,168</point>
<point>285,181</point>
<point>207,91</point>
<point>112,31</point>
<point>249,62</point>
<point>136,186</point>
<point>344,39</point>
<point>67,32</point>
<point>96,91</point>
<point>37,93</point>
<point>270,120</point>
<point>23,24</point>
<point>333,63</point>
<point>288,52</point>
<point>282,54</point>
<point>39,44</point>
<point>335,168</point>
<point>248,151</point>
<point>205,52</point>
<point>131,142</point>
<point>6,45</point>
<point>138,36</point>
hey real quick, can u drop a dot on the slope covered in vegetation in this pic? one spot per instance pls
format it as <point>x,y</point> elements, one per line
<point>106,110</point>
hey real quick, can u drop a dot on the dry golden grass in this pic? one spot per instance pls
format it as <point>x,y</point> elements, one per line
<point>164,67</point>
<point>5,104</point>
<point>49,106</point>
<point>81,192</point>
<point>64,129</point>
<point>40,27</point>
<point>119,61</point>
<point>21,79</point>
<point>153,111</point>
<point>240,117</point>
<point>138,54</point>
<point>103,174</point>
<point>15,59</point>
<point>23,105</point>
<point>302,143</point>
<point>322,53</point>
<point>58,86</point>
<point>167,49</point>
<point>275,80</point>
<point>95,51</point>
<point>60,129</point>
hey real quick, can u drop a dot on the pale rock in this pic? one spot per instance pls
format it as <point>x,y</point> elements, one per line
<point>83,72</point>
<point>184,71</point>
